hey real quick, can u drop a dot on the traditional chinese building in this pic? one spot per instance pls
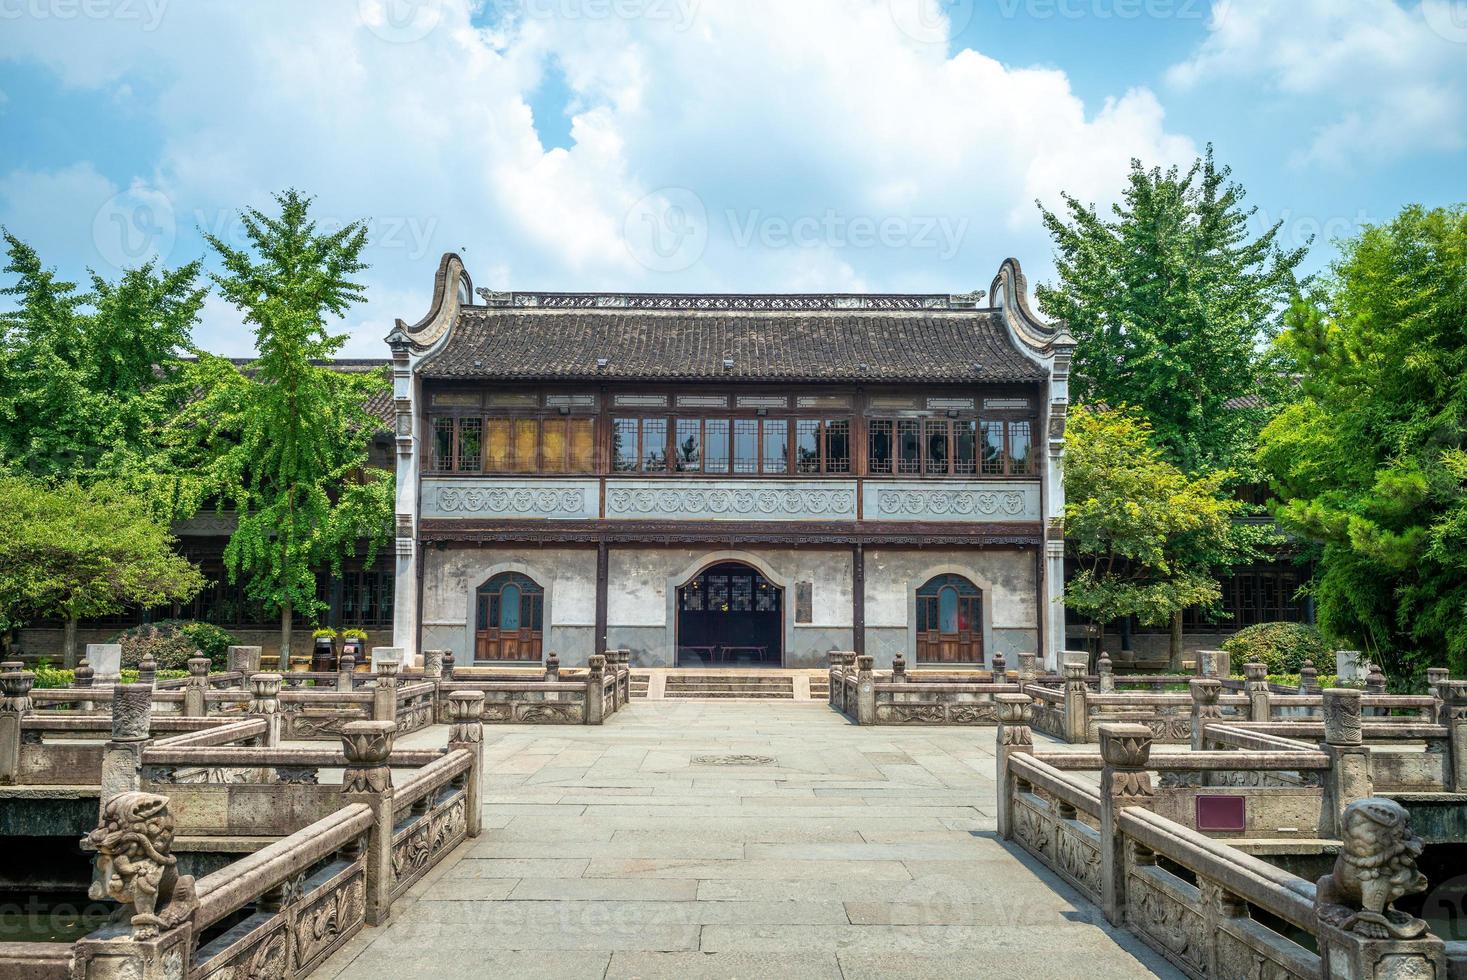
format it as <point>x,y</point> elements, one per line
<point>729,479</point>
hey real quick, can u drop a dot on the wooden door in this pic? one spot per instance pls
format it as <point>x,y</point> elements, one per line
<point>510,619</point>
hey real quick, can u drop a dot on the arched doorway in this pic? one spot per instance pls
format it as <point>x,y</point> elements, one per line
<point>730,615</point>
<point>510,618</point>
<point>949,621</point>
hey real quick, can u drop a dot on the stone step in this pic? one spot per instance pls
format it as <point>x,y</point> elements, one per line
<point>748,695</point>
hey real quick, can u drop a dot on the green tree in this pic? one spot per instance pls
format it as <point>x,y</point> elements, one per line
<point>86,377</point>
<point>284,442</point>
<point>1172,301</point>
<point>1147,538</point>
<point>1370,461</point>
<point>71,552</point>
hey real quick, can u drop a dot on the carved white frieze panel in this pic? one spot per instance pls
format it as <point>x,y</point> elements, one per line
<point>732,501</point>
<point>497,499</point>
<point>955,502</point>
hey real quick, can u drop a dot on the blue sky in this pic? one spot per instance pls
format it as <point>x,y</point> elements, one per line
<point>779,145</point>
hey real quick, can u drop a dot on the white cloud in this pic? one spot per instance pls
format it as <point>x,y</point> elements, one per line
<point>769,111</point>
<point>1391,78</point>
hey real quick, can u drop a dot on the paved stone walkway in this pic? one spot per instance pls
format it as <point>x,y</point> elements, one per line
<point>740,839</point>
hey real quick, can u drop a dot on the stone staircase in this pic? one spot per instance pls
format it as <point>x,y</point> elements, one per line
<point>640,682</point>
<point>753,685</point>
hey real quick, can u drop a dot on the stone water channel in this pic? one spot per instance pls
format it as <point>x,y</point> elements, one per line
<point>740,839</point>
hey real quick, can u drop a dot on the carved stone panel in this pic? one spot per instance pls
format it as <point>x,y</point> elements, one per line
<point>511,499</point>
<point>736,500</point>
<point>996,500</point>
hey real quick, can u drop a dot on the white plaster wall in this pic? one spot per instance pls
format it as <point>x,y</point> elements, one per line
<point>1007,579</point>
<point>639,580</point>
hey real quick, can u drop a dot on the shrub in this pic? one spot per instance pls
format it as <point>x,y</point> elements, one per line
<point>354,634</point>
<point>52,677</point>
<point>172,642</point>
<point>1282,646</point>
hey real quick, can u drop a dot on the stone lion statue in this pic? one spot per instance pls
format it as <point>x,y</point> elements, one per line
<point>135,866</point>
<point>1376,866</point>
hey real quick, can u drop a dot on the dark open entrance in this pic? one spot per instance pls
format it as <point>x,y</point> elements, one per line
<point>730,615</point>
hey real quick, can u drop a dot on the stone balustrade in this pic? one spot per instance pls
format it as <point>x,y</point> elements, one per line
<point>1109,844</point>
<point>283,909</point>
<point>921,697</point>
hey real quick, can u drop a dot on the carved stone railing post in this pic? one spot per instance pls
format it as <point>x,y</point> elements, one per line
<point>1349,777</point>
<point>346,668</point>
<point>106,660</point>
<point>265,704</point>
<point>466,731</point>
<point>147,670</point>
<point>836,692</point>
<point>1028,668</point>
<point>1454,716</point>
<point>135,867</point>
<point>1219,908</point>
<point>1014,737</point>
<point>367,779</point>
<point>1000,669</point>
<point>1107,675</point>
<point>244,659</point>
<point>595,684</point>
<point>384,696</point>
<point>433,665</point>
<point>122,756</point>
<point>448,665</point>
<point>899,669</point>
<point>1434,678</point>
<point>1206,692</point>
<point>1077,707</point>
<point>83,677</point>
<point>195,695</point>
<point>1362,935</point>
<point>1124,782</point>
<point>15,703</point>
<point>552,668</point>
<point>1255,685</point>
<point>865,690</point>
<point>1308,678</point>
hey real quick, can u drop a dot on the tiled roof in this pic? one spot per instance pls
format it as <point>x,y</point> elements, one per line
<point>689,344</point>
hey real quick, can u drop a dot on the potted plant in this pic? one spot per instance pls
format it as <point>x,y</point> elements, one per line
<point>324,653</point>
<point>354,642</point>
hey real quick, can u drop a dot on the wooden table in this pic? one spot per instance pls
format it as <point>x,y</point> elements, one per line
<point>708,653</point>
<point>730,651</point>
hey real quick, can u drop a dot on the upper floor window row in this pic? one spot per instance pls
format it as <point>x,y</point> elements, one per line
<point>740,446</point>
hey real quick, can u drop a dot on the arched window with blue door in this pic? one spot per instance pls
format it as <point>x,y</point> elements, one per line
<point>510,619</point>
<point>949,621</point>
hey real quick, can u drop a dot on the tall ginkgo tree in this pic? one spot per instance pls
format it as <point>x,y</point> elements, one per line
<point>284,441</point>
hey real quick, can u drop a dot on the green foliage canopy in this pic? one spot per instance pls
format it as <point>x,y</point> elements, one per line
<point>71,552</point>
<point>285,441</point>
<point>1170,298</point>
<point>85,377</point>
<point>1282,646</point>
<point>1148,539</point>
<point>1371,461</point>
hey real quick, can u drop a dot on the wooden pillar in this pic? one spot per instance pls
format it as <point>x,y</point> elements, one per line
<point>858,598</point>
<point>603,571</point>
